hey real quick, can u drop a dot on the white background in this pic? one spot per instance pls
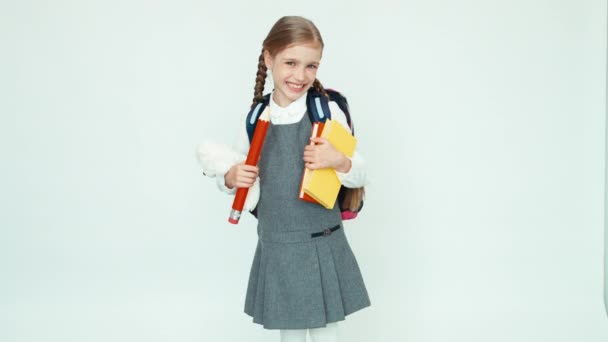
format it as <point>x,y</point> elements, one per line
<point>482,123</point>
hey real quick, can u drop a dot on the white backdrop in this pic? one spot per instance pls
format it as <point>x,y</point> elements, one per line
<point>482,123</point>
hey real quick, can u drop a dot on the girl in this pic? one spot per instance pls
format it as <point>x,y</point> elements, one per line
<point>304,276</point>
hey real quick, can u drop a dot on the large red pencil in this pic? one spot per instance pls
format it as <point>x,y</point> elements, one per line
<point>255,148</point>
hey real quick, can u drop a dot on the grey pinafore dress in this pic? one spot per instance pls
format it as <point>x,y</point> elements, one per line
<point>298,281</point>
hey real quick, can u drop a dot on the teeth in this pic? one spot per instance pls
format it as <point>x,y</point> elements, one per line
<point>295,85</point>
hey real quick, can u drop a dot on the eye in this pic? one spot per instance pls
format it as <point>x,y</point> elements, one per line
<point>313,66</point>
<point>290,63</point>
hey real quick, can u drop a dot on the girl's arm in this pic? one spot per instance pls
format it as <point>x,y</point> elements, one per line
<point>226,164</point>
<point>231,173</point>
<point>321,154</point>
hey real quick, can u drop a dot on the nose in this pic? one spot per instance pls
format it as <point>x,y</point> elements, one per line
<point>299,75</point>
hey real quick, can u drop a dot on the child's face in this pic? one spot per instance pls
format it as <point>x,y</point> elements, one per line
<point>293,71</point>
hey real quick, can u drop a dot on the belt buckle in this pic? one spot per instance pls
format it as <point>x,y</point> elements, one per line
<point>327,232</point>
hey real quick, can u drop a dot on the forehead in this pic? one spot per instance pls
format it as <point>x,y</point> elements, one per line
<point>308,52</point>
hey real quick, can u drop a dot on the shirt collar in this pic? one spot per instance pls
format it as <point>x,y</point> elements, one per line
<point>296,108</point>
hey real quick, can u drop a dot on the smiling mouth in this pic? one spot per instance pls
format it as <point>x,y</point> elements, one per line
<point>295,86</point>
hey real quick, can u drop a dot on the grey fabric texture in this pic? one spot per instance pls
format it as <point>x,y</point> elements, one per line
<point>297,281</point>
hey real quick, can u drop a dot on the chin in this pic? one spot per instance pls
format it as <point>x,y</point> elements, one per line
<point>294,96</point>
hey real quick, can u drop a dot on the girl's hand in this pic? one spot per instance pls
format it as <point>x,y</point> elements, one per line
<point>241,176</point>
<point>322,155</point>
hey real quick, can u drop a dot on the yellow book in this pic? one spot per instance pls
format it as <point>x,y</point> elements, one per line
<point>323,184</point>
<point>339,137</point>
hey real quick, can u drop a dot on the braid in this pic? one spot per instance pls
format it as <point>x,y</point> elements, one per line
<point>319,87</point>
<point>260,80</point>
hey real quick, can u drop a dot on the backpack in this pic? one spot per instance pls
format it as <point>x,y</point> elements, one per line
<point>318,111</point>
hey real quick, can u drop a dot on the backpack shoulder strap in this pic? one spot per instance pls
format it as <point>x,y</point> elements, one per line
<point>318,106</point>
<point>254,113</point>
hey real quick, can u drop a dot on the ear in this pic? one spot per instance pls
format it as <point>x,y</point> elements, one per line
<point>267,59</point>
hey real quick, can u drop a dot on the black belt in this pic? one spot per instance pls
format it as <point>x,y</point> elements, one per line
<point>325,232</point>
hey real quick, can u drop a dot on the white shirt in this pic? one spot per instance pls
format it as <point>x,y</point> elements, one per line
<point>354,178</point>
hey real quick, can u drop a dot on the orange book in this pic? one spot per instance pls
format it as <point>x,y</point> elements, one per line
<point>317,128</point>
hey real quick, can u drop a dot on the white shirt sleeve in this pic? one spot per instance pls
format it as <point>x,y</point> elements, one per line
<point>241,146</point>
<point>221,184</point>
<point>241,142</point>
<point>356,177</point>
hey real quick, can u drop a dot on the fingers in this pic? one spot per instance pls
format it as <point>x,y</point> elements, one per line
<point>244,182</point>
<point>310,158</point>
<point>317,156</point>
<point>249,168</point>
<point>241,176</point>
<point>309,155</point>
<point>320,156</point>
<point>246,175</point>
<point>312,166</point>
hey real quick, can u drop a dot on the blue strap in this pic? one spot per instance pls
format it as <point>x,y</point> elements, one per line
<point>254,115</point>
<point>340,100</point>
<point>318,107</point>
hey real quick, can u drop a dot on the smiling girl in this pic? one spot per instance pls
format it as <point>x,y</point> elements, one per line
<point>300,280</point>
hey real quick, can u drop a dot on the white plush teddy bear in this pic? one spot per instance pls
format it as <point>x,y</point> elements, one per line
<point>217,159</point>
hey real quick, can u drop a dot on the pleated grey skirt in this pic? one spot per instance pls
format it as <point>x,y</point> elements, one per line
<point>299,282</point>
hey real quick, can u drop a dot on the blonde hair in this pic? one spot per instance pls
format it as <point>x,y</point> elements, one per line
<point>287,31</point>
